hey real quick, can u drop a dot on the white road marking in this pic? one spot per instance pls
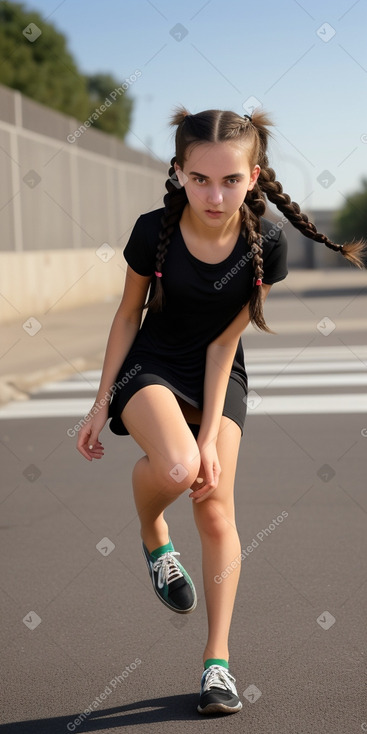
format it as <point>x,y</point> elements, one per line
<point>273,368</point>
<point>268,369</point>
<point>270,378</point>
<point>340,380</point>
<point>270,404</point>
<point>310,404</point>
<point>47,408</point>
<point>69,386</point>
<point>350,351</point>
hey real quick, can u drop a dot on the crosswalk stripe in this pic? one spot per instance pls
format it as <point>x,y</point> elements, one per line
<point>268,379</point>
<point>272,367</point>
<point>47,408</point>
<point>269,370</point>
<point>270,404</point>
<point>350,351</point>
<point>69,386</point>
<point>282,381</point>
<point>310,404</point>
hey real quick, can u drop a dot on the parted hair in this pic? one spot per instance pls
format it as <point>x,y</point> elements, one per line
<point>217,126</point>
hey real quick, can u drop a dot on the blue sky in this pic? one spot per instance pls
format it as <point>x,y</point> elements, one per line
<point>305,62</point>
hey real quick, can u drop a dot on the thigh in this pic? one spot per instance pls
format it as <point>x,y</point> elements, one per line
<point>155,420</point>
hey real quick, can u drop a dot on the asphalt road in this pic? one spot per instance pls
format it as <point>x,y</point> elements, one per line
<point>81,626</point>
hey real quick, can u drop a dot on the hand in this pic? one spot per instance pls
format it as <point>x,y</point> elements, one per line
<point>88,442</point>
<point>207,480</point>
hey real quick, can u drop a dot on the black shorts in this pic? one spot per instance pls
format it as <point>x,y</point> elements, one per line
<point>235,406</point>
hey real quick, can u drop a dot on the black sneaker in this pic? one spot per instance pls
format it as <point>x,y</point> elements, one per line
<point>218,692</point>
<point>171,582</point>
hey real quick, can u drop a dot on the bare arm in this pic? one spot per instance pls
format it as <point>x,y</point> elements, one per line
<point>124,329</point>
<point>219,359</point>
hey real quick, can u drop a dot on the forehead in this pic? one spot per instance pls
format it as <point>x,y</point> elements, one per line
<point>217,159</point>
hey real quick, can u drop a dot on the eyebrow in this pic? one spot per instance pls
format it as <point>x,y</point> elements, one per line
<point>231,175</point>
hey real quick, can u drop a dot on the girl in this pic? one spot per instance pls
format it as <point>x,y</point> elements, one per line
<point>177,382</point>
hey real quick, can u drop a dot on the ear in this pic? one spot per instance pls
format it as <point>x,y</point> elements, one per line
<point>254,176</point>
<point>181,176</point>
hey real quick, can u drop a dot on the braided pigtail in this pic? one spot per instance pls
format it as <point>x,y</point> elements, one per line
<point>255,200</point>
<point>267,183</point>
<point>352,251</point>
<point>251,232</point>
<point>174,203</point>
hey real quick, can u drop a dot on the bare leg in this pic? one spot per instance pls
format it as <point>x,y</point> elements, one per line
<point>154,419</point>
<point>215,520</point>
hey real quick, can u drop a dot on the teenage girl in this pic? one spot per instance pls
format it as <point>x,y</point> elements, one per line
<point>176,382</point>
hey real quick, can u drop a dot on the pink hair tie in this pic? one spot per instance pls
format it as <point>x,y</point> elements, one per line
<point>159,275</point>
<point>259,281</point>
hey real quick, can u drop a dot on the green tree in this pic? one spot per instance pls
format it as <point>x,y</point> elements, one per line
<point>116,118</point>
<point>42,68</point>
<point>351,221</point>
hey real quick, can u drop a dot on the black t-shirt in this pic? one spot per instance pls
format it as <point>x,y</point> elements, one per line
<point>201,300</point>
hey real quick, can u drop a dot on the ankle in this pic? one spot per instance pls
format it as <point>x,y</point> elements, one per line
<point>153,537</point>
<point>216,661</point>
<point>219,654</point>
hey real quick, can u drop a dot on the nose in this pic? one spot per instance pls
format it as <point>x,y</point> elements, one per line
<point>215,196</point>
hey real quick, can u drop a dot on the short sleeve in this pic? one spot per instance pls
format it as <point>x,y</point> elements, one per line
<point>275,260</point>
<point>140,251</point>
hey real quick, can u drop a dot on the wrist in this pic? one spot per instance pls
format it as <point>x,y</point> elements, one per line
<point>206,438</point>
<point>101,402</point>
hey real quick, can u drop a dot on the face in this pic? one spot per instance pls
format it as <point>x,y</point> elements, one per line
<point>217,177</point>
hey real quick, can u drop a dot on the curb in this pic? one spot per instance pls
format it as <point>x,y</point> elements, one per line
<point>20,387</point>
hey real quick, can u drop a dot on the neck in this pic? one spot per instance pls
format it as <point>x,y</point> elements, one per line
<point>211,233</point>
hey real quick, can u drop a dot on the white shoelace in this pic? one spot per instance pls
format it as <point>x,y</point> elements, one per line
<point>167,568</point>
<point>218,677</point>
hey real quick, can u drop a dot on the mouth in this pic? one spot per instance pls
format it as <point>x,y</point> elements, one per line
<point>213,211</point>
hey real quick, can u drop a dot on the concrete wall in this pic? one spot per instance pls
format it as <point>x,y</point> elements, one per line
<point>34,283</point>
<point>60,202</point>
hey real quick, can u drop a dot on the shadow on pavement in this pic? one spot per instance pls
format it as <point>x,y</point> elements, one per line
<point>168,708</point>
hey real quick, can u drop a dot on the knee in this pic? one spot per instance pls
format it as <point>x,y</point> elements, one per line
<point>178,473</point>
<point>214,519</point>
